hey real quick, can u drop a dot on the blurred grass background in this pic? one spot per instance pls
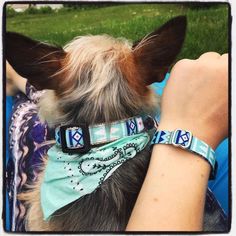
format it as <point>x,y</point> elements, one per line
<point>207,23</point>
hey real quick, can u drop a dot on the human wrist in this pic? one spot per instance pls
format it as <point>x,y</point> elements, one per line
<point>185,139</point>
<point>200,131</point>
<point>183,160</point>
<point>185,170</point>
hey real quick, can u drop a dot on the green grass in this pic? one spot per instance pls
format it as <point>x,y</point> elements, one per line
<point>207,27</point>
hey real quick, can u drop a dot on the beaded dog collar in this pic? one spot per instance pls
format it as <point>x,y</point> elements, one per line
<point>81,138</point>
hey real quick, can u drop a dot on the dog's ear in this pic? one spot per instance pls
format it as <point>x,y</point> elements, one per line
<point>36,61</point>
<point>155,53</point>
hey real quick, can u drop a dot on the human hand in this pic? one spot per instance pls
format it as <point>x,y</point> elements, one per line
<point>11,88</point>
<point>196,98</point>
<point>10,72</point>
<point>14,82</point>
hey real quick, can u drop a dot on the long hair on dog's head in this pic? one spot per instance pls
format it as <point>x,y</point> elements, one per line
<point>96,79</point>
<point>98,87</point>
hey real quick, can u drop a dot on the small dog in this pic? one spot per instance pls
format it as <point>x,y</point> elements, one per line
<point>93,80</point>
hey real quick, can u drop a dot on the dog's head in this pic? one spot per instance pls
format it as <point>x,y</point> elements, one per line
<point>97,79</point>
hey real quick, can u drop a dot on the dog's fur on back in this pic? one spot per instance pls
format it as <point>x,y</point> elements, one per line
<point>96,79</point>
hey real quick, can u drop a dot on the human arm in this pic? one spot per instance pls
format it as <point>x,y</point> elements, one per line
<point>173,194</point>
<point>15,82</point>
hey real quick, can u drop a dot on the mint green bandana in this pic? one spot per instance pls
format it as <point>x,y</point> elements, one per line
<point>69,177</point>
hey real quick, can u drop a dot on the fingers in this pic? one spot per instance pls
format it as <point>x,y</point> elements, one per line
<point>209,56</point>
<point>215,60</point>
<point>225,55</point>
<point>225,58</point>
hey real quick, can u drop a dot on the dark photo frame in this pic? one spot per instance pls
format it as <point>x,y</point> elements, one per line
<point>208,29</point>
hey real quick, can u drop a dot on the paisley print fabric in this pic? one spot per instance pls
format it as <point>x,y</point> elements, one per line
<point>28,143</point>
